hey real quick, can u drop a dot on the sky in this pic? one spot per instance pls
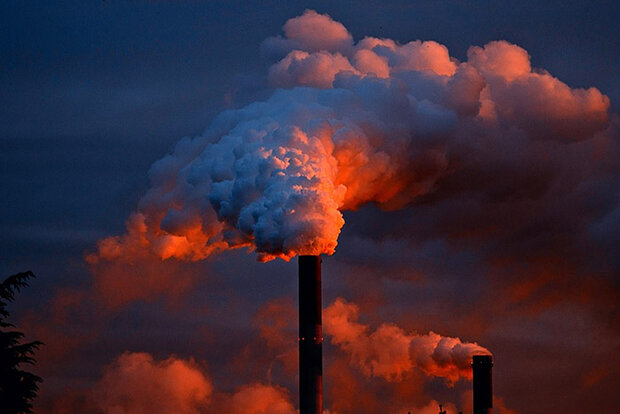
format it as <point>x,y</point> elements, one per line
<point>465,199</point>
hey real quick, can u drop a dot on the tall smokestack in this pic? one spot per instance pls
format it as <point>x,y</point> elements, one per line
<point>310,336</point>
<point>483,384</point>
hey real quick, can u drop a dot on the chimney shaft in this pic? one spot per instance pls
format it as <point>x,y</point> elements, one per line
<point>310,336</point>
<point>483,384</point>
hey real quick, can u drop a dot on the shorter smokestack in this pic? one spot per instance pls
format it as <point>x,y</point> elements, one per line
<point>483,384</point>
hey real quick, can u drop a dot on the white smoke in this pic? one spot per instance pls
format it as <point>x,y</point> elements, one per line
<point>373,121</point>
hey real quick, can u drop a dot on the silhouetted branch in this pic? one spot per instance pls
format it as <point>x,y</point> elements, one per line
<point>18,388</point>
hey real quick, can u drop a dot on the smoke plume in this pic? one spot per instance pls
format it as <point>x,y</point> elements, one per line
<point>389,352</point>
<point>350,123</point>
<point>137,384</point>
<point>256,399</point>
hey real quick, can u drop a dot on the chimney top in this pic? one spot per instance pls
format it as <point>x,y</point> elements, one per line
<point>482,360</point>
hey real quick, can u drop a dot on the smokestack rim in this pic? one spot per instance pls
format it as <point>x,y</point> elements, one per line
<point>482,360</point>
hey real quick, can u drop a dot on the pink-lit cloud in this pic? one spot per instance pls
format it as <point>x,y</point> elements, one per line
<point>381,122</point>
<point>390,352</point>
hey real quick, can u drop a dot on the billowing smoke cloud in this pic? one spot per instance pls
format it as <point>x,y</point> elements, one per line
<point>135,383</point>
<point>351,123</point>
<point>120,268</point>
<point>389,352</point>
<point>256,399</point>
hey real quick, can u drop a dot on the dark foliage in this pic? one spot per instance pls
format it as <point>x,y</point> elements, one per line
<point>18,388</point>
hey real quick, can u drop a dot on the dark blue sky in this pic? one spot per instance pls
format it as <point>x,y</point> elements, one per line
<point>93,92</point>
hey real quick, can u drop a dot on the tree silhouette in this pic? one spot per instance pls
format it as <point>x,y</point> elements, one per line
<point>17,388</point>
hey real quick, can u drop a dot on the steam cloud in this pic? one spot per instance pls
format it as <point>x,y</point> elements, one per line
<point>136,383</point>
<point>389,352</point>
<point>351,123</point>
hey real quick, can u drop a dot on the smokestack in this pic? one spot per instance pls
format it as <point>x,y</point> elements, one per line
<point>483,384</point>
<point>310,336</point>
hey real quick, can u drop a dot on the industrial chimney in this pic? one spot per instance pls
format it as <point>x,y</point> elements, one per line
<point>483,384</point>
<point>310,336</point>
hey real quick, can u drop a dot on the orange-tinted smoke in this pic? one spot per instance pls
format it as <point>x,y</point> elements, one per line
<point>390,352</point>
<point>374,123</point>
<point>135,383</point>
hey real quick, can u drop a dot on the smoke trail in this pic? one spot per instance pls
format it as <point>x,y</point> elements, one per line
<point>351,123</point>
<point>389,352</point>
<point>136,383</point>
